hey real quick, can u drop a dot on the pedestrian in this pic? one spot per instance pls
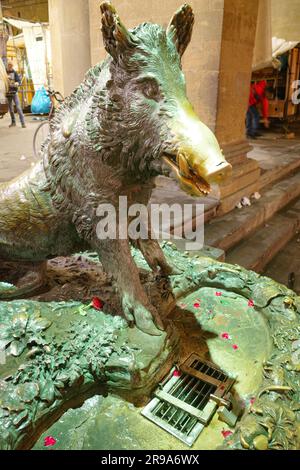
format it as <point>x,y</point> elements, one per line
<point>12,95</point>
<point>257,96</point>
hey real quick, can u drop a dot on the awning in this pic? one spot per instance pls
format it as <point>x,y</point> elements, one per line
<point>266,47</point>
<point>280,46</point>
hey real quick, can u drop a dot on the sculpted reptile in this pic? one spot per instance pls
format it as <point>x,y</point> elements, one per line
<point>110,138</point>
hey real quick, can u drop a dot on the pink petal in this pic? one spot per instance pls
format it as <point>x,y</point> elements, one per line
<point>196,305</point>
<point>250,303</point>
<point>235,346</point>
<point>252,400</point>
<point>218,294</point>
<point>49,441</point>
<point>225,336</point>
<point>176,373</point>
<point>97,303</point>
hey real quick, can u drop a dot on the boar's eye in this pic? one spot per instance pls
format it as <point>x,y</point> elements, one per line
<point>150,89</point>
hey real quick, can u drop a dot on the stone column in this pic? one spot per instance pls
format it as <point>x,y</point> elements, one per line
<point>238,37</point>
<point>286,19</point>
<point>70,43</point>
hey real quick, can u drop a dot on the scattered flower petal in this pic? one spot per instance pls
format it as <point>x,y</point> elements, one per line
<point>235,346</point>
<point>97,303</point>
<point>218,294</point>
<point>250,303</point>
<point>176,373</point>
<point>226,433</point>
<point>225,336</point>
<point>49,441</point>
<point>197,305</point>
<point>252,400</point>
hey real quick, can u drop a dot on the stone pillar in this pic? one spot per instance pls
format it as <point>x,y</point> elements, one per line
<point>238,37</point>
<point>70,43</point>
<point>262,54</point>
<point>286,19</point>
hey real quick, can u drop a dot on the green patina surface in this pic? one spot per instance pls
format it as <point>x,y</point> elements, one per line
<point>56,358</point>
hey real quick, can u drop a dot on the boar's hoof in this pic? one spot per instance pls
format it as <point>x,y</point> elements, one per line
<point>143,317</point>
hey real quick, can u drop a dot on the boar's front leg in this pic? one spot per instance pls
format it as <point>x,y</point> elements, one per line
<point>155,257</point>
<point>116,259</point>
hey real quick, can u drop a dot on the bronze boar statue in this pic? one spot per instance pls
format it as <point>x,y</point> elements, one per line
<point>111,138</point>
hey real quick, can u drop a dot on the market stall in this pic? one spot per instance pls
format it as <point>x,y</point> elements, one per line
<point>30,53</point>
<point>281,75</point>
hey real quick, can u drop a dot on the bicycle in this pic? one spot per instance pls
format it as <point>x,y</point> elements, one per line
<point>43,129</point>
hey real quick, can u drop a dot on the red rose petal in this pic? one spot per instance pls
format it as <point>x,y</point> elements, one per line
<point>250,303</point>
<point>197,305</point>
<point>235,346</point>
<point>226,433</point>
<point>225,336</point>
<point>49,441</point>
<point>97,303</point>
<point>176,373</point>
<point>218,294</point>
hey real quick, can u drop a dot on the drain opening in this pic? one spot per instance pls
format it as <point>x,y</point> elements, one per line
<point>184,404</point>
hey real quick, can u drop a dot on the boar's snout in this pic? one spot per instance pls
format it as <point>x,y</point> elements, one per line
<point>218,174</point>
<point>199,161</point>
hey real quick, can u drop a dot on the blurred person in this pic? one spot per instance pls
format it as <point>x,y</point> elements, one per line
<point>257,97</point>
<point>12,95</point>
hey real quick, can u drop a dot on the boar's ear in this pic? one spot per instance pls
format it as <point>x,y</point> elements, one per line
<point>115,35</point>
<point>181,26</point>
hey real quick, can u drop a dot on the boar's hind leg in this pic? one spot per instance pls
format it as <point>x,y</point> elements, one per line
<point>26,277</point>
<point>155,257</point>
<point>116,259</point>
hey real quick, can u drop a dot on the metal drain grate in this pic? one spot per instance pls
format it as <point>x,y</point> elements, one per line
<point>184,404</point>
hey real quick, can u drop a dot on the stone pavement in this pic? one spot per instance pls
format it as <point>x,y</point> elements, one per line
<point>16,147</point>
<point>273,150</point>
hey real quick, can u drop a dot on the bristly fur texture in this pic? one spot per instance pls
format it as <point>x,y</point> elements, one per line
<point>106,140</point>
<point>108,121</point>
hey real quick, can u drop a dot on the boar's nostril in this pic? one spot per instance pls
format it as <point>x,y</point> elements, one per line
<point>219,174</point>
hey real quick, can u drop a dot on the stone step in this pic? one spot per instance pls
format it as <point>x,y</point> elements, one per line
<point>256,251</point>
<point>276,174</point>
<point>226,231</point>
<point>276,161</point>
<point>242,176</point>
<point>228,203</point>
